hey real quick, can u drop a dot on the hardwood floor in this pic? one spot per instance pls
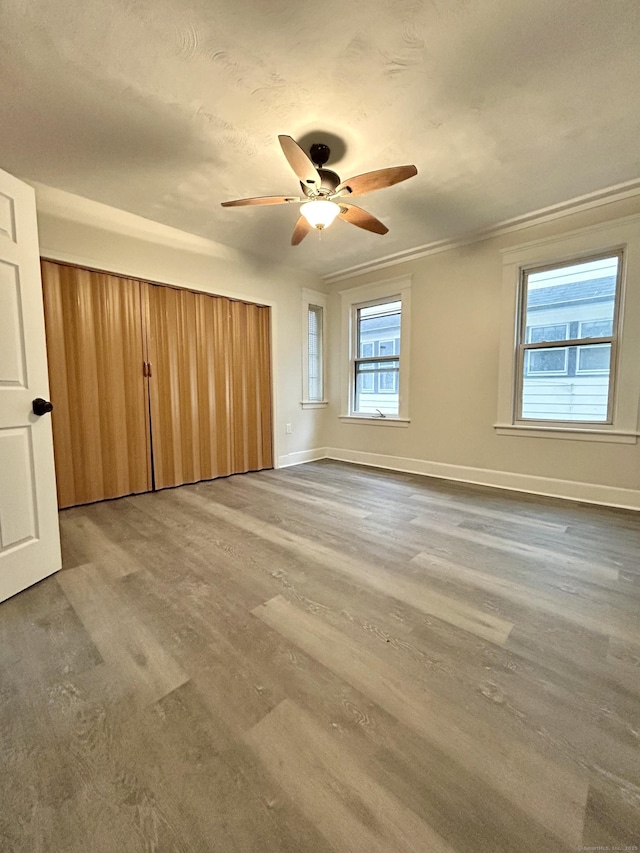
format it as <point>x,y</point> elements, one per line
<point>326,658</point>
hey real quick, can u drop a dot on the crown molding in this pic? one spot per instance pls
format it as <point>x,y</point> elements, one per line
<point>619,192</point>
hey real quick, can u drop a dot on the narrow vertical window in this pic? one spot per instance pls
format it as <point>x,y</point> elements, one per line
<point>314,374</point>
<point>567,341</point>
<point>315,354</point>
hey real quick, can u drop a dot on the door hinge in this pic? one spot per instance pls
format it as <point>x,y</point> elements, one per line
<point>146,368</point>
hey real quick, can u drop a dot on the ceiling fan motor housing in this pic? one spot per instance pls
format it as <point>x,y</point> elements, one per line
<point>320,153</point>
<point>329,181</point>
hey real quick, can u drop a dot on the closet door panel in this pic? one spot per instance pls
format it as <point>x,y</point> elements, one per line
<point>250,386</point>
<point>95,346</point>
<point>213,377</point>
<point>263,390</point>
<point>173,386</point>
<point>210,380</point>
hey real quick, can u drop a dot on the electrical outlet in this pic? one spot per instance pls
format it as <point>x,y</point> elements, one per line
<point>288,429</point>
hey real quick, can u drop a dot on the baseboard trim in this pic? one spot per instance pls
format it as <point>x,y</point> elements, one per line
<point>565,489</point>
<point>301,456</point>
<point>568,490</point>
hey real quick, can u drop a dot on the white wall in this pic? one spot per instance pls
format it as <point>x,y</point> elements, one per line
<point>455,339</point>
<point>80,231</point>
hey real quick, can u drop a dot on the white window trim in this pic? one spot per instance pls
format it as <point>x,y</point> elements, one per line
<point>394,288</point>
<point>365,420</point>
<point>596,240</point>
<point>313,297</point>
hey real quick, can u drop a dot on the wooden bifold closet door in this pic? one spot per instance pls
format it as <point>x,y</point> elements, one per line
<point>210,386</point>
<point>95,343</point>
<point>204,411</point>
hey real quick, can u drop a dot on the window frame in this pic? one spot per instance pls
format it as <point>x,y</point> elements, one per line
<point>523,346</point>
<point>599,239</point>
<point>314,299</point>
<point>392,290</point>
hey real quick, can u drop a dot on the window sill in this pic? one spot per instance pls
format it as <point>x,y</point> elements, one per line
<point>314,404</point>
<point>571,433</point>
<point>363,419</point>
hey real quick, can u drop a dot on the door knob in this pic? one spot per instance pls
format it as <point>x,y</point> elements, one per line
<point>42,407</point>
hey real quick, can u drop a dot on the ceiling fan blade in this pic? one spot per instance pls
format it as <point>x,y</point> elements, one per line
<point>267,199</point>
<point>300,231</point>
<point>378,180</point>
<point>358,216</point>
<point>300,163</point>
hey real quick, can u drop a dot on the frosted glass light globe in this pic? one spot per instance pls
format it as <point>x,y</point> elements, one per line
<point>320,214</point>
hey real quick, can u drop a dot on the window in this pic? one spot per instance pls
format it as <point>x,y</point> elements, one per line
<point>313,355</point>
<point>565,360</point>
<point>316,378</point>
<point>570,335</point>
<point>376,364</point>
<point>376,334</point>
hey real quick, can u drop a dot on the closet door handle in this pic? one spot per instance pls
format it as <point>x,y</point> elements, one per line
<point>41,407</point>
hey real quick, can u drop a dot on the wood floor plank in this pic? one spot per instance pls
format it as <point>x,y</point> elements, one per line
<point>555,795</point>
<point>564,606</point>
<point>346,805</point>
<point>124,642</point>
<point>478,537</point>
<point>451,508</point>
<point>331,507</point>
<point>84,541</point>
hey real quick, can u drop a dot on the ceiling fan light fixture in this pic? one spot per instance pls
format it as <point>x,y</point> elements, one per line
<point>320,214</point>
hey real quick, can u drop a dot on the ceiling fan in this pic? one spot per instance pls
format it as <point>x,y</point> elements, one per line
<point>324,194</point>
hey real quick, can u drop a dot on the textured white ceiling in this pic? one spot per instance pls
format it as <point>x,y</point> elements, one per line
<point>167,107</point>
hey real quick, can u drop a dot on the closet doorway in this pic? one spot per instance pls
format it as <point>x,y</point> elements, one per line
<point>152,386</point>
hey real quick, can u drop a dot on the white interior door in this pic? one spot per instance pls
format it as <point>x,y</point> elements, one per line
<point>29,533</point>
